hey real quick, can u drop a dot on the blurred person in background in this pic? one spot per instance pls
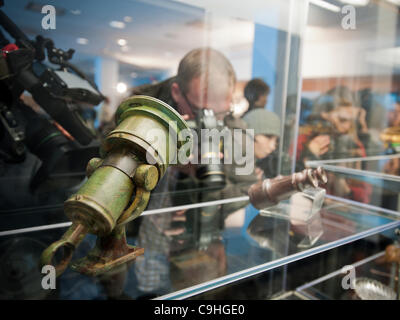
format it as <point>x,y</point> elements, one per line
<point>346,117</point>
<point>256,93</point>
<point>267,130</point>
<point>333,132</point>
<point>394,116</point>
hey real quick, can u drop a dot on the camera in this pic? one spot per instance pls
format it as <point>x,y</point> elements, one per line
<point>203,225</point>
<point>63,92</point>
<point>210,170</point>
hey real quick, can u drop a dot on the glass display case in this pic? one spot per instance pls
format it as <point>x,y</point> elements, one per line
<point>369,269</point>
<point>325,101</point>
<point>179,267</point>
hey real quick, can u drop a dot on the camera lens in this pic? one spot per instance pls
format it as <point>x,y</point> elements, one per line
<point>211,175</point>
<point>210,172</point>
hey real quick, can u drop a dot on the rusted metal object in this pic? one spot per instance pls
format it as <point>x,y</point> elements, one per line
<point>270,192</point>
<point>110,252</point>
<point>132,163</point>
<point>59,253</point>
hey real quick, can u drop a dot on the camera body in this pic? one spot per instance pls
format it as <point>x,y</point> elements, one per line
<point>209,172</point>
<point>62,92</point>
<point>203,225</point>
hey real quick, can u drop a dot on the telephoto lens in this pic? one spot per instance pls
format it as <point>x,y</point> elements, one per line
<point>50,146</point>
<point>58,153</point>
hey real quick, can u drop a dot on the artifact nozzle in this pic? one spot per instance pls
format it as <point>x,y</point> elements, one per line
<point>270,192</point>
<point>59,254</point>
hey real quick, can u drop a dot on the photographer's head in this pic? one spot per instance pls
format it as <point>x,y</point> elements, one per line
<point>205,79</point>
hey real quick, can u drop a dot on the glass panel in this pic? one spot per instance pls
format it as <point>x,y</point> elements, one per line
<point>188,254</point>
<point>323,276</point>
<point>380,279</point>
<point>310,83</point>
<point>135,44</point>
<point>371,180</point>
<point>349,80</point>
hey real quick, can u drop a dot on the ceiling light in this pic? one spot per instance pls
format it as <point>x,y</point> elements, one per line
<point>355,2</point>
<point>121,42</point>
<point>128,19</point>
<point>76,12</point>
<point>325,5</point>
<point>82,41</point>
<point>117,24</point>
<point>121,87</point>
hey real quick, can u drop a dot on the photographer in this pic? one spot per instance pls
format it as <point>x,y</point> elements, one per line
<point>205,80</point>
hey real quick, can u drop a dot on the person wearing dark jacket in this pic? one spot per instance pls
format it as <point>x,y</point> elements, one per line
<point>205,80</point>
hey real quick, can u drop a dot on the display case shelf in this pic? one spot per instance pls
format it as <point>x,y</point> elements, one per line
<point>329,286</point>
<point>235,255</point>
<point>369,169</point>
<point>373,181</point>
<point>378,222</point>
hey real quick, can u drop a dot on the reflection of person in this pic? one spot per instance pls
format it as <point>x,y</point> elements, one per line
<point>312,148</point>
<point>256,92</point>
<point>266,126</point>
<point>345,116</point>
<point>347,122</point>
<point>394,116</point>
<point>205,80</point>
<point>335,131</point>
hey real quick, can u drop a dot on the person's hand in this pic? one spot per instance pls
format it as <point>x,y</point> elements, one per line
<point>319,145</point>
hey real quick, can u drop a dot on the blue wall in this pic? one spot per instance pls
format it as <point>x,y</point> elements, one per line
<point>265,51</point>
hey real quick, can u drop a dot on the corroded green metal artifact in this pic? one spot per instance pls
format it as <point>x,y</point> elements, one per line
<point>134,157</point>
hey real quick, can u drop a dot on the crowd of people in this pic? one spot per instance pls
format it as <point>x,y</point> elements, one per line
<point>336,127</point>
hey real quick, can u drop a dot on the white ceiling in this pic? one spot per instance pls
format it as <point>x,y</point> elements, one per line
<point>158,36</point>
<point>162,31</point>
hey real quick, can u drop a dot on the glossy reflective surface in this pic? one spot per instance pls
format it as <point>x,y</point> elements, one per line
<point>185,256</point>
<point>379,277</point>
<point>371,180</point>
